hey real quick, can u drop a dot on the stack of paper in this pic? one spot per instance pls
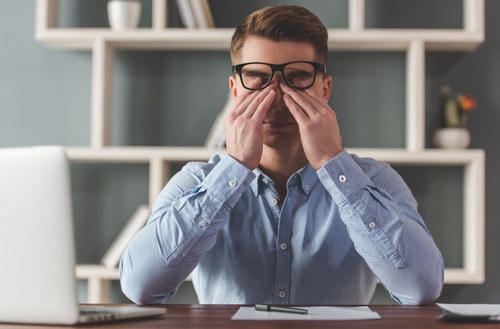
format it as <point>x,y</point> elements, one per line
<point>315,313</point>
<point>471,312</point>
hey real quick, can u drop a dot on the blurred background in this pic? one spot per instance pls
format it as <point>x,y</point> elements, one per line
<point>171,98</point>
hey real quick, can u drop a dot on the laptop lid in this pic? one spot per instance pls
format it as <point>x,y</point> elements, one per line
<point>37,247</point>
<point>37,280</point>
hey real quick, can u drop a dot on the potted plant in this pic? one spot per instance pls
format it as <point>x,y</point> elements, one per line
<point>453,133</point>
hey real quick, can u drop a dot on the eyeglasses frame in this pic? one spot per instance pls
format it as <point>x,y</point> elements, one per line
<point>280,68</point>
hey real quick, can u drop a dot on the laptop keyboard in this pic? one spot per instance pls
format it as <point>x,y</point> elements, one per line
<point>90,314</point>
<point>95,312</point>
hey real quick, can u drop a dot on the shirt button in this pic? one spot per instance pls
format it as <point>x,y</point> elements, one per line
<point>265,181</point>
<point>307,187</point>
<point>283,246</point>
<point>274,201</point>
<point>232,183</point>
<point>372,225</point>
<point>342,178</point>
<point>203,223</point>
<point>282,294</point>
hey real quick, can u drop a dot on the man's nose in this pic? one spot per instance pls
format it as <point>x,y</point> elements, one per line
<point>278,76</point>
<point>278,104</point>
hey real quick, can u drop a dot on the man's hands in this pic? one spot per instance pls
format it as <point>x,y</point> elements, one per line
<point>318,126</point>
<point>317,122</point>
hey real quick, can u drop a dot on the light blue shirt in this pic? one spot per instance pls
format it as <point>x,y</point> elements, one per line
<point>339,229</point>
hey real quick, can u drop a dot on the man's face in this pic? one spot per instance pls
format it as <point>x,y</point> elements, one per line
<point>280,128</point>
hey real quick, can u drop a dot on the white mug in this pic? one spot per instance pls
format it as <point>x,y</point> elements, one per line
<point>123,14</point>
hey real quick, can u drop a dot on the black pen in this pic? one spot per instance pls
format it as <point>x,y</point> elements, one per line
<point>285,309</point>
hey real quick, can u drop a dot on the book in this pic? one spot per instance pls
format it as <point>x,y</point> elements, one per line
<point>217,136</point>
<point>202,13</point>
<point>138,219</point>
<point>186,13</point>
<point>208,13</point>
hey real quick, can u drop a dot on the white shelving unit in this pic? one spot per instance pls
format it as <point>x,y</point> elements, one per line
<point>103,43</point>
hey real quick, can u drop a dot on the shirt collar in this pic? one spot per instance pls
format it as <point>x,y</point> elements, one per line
<point>306,177</point>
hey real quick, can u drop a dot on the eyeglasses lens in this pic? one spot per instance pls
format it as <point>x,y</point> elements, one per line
<point>297,75</point>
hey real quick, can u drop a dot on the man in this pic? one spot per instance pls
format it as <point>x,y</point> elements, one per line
<point>286,216</point>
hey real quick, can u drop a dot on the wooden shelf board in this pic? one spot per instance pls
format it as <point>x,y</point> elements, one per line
<point>182,154</point>
<point>219,38</point>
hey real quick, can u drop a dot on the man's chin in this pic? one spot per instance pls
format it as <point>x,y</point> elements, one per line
<point>281,141</point>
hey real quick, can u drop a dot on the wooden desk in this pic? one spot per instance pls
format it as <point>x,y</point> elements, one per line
<point>219,317</point>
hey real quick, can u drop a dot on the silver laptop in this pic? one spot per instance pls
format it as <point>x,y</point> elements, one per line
<point>37,250</point>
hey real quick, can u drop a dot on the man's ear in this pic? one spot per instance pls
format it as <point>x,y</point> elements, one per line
<point>327,87</point>
<point>232,87</point>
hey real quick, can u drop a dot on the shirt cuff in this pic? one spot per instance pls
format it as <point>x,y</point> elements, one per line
<point>343,177</point>
<point>228,180</point>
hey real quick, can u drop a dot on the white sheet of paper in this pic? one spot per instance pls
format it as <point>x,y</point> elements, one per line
<point>472,309</point>
<point>315,313</point>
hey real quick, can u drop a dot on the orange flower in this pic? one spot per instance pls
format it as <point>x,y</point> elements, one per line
<point>467,103</point>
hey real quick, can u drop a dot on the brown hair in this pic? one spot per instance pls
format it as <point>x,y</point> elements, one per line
<point>282,23</point>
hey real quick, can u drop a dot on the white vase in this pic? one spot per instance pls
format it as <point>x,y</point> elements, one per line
<point>452,138</point>
<point>123,14</point>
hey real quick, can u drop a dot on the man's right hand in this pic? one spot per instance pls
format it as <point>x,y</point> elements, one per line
<point>244,125</point>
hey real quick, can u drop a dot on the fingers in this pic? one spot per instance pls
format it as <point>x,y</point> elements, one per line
<point>248,103</point>
<point>297,112</point>
<point>244,126</point>
<point>318,126</point>
<point>303,103</point>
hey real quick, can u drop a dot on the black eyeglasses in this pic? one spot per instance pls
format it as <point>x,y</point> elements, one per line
<point>298,75</point>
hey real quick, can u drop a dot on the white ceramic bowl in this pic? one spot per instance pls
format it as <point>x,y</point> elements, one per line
<point>123,14</point>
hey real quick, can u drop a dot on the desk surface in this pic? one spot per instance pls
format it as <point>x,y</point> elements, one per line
<point>219,317</point>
